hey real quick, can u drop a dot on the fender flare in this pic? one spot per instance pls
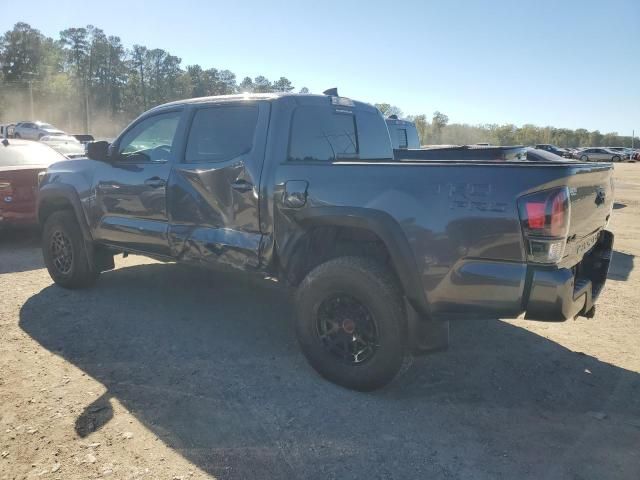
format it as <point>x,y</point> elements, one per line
<point>57,191</point>
<point>388,230</point>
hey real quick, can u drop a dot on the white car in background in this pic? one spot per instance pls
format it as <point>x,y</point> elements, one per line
<point>35,130</point>
<point>600,155</point>
<point>67,145</point>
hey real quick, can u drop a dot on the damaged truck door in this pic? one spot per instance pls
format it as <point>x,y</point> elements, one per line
<point>214,187</point>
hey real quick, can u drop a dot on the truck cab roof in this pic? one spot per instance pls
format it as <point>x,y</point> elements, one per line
<point>305,98</point>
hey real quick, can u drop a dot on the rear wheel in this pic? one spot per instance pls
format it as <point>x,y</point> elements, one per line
<point>351,323</point>
<point>584,158</point>
<point>16,135</point>
<point>65,252</point>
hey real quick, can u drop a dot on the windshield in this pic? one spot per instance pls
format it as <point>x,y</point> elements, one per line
<point>45,125</point>
<point>32,153</point>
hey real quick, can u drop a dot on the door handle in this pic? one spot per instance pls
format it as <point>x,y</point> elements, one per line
<point>242,186</point>
<point>108,187</point>
<point>295,193</point>
<point>155,182</point>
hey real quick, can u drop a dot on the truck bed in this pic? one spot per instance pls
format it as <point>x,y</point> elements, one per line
<point>463,152</point>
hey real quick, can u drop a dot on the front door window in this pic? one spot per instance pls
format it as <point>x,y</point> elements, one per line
<point>151,140</point>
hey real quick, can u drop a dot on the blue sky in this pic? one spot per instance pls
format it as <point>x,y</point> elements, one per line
<point>563,63</point>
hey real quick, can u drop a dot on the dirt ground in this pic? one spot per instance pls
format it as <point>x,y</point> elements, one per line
<point>166,372</point>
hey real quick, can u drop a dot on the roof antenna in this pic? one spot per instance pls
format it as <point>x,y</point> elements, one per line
<point>331,91</point>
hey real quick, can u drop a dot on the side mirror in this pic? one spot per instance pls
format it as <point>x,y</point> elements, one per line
<point>98,151</point>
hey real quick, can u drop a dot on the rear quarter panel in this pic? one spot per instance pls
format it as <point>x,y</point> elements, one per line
<point>460,220</point>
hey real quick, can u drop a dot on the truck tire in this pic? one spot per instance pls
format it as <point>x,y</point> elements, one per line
<point>65,252</point>
<point>351,323</point>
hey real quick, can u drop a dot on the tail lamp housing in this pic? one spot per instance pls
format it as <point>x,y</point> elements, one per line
<point>6,191</point>
<point>544,217</point>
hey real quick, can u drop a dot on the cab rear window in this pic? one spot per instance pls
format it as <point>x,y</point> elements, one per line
<point>322,134</point>
<point>326,134</point>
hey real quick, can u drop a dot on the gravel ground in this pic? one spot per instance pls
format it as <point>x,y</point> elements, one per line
<point>165,372</point>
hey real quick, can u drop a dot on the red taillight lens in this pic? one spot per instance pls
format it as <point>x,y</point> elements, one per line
<point>535,215</point>
<point>545,213</point>
<point>544,217</point>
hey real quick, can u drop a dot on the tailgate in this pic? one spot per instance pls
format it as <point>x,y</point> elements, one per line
<point>591,197</point>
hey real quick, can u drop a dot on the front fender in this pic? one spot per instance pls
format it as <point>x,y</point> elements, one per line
<point>54,196</point>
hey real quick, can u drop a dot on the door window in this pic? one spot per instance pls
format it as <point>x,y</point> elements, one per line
<point>150,140</point>
<point>221,133</point>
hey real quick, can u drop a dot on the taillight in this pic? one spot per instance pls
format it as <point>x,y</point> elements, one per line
<point>544,217</point>
<point>6,192</point>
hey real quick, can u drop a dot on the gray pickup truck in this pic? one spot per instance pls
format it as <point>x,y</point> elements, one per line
<point>381,251</point>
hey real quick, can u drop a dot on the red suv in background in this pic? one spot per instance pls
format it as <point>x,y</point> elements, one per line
<point>20,163</point>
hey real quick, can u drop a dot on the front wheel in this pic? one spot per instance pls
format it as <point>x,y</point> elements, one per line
<point>584,158</point>
<point>615,158</point>
<point>65,253</point>
<point>351,322</point>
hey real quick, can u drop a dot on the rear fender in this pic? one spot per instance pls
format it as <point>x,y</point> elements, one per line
<point>385,228</point>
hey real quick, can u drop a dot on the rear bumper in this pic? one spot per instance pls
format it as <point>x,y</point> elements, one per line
<point>560,294</point>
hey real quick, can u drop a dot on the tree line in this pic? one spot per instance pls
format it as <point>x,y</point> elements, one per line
<point>88,81</point>
<point>438,130</point>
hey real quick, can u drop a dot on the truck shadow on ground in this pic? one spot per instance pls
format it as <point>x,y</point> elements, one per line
<point>208,362</point>
<point>621,266</point>
<point>20,250</point>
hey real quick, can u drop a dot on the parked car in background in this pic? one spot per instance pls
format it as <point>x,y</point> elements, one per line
<point>6,131</point>
<point>66,145</point>
<point>627,153</point>
<point>616,149</point>
<point>561,152</point>
<point>600,155</point>
<point>35,130</point>
<point>20,163</point>
<point>83,138</point>
<point>630,153</point>
<point>403,133</point>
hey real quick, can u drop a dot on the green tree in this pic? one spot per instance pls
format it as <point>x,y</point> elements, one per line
<point>438,122</point>
<point>262,85</point>
<point>595,139</point>
<point>282,85</point>
<point>21,53</point>
<point>246,86</point>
